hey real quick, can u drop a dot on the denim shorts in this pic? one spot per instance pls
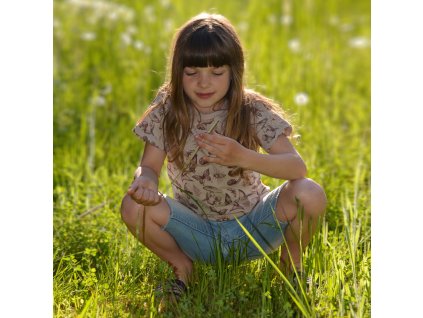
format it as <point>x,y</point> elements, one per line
<point>208,241</point>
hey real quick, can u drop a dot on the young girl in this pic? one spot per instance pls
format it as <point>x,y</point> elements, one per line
<point>210,128</point>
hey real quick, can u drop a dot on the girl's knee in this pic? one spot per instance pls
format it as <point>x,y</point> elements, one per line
<point>129,210</point>
<point>310,195</point>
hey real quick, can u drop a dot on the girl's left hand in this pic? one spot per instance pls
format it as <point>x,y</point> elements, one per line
<point>223,150</point>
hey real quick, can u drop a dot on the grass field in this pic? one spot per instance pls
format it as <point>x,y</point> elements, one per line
<point>311,56</point>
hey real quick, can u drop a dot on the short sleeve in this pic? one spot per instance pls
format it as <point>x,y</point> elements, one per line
<point>268,125</point>
<point>150,127</point>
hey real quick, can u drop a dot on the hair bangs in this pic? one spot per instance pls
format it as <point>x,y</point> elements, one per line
<point>205,49</point>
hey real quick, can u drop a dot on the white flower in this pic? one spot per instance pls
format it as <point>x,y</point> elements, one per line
<point>301,99</point>
<point>138,45</point>
<point>165,3</point>
<point>101,8</point>
<point>126,38</point>
<point>99,101</point>
<point>359,42</point>
<point>113,15</point>
<point>286,19</point>
<point>294,45</point>
<point>88,36</point>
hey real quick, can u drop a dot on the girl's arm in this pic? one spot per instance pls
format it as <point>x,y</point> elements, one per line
<point>144,188</point>
<point>282,161</point>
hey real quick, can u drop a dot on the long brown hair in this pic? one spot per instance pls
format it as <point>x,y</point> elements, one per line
<point>203,41</point>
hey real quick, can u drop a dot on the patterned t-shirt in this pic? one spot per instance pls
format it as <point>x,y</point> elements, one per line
<point>214,191</point>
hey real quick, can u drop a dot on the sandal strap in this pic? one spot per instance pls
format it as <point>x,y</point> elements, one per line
<point>176,287</point>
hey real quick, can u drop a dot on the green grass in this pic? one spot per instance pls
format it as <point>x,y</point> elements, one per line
<point>102,84</point>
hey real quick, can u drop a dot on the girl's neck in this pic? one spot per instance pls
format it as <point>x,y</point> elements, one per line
<point>220,105</point>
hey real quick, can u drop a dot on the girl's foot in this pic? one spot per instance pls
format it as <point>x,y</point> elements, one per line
<point>171,292</point>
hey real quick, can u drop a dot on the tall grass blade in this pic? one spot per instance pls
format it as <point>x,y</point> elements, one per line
<point>304,307</point>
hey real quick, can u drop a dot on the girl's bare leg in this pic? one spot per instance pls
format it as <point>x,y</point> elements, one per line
<point>156,240</point>
<point>306,196</point>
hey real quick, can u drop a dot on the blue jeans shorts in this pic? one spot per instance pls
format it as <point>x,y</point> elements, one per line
<point>208,241</point>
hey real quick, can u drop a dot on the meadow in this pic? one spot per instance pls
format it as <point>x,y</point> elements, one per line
<point>312,57</point>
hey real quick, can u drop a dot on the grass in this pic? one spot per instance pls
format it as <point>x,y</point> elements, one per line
<point>109,59</point>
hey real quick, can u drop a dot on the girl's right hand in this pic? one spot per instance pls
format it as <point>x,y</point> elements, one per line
<point>144,191</point>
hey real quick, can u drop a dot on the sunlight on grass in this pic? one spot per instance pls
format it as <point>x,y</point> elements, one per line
<point>110,58</point>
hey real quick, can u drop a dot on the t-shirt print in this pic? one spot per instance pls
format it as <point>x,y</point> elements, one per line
<point>213,191</point>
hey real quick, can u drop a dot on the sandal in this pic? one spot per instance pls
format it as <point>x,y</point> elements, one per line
<point>171,292</point>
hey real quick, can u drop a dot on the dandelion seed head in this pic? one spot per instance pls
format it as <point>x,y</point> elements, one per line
<point>99,101</point>
<point>113,16</point>
<point>102,8</point>
<point>286,19</point>
<point>294,45</point>
<point>165,3</point>
<point>88,36</point>
<point>126,38</point>
<point>139,45</point>
<point>359,42</point>
<point>301,99</point>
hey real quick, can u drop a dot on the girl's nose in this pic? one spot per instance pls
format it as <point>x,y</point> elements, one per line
<point>203,80</point>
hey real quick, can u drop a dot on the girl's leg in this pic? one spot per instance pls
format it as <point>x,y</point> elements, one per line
<point>155,238</point>
<point>306,196</point>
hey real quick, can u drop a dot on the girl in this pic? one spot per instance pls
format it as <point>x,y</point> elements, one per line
<point>210,128</point>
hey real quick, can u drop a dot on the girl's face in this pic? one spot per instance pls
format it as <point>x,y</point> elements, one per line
<point>206,86</point>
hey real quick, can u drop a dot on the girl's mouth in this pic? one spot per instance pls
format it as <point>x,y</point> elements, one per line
<point>204,95</point>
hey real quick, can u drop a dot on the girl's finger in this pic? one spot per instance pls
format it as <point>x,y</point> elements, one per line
<point>211,138</point>
<point>132,188</point>
<point>139,194</point>
<point>203,145</point>
<point>151,197</point>
<point>212,159</point>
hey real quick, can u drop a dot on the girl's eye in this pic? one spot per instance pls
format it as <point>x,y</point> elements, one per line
<point>190,73</point>
<point>217,73</point>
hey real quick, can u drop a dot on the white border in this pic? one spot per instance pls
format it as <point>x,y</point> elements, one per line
<point>397,158</point>
<point>26,161</point>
